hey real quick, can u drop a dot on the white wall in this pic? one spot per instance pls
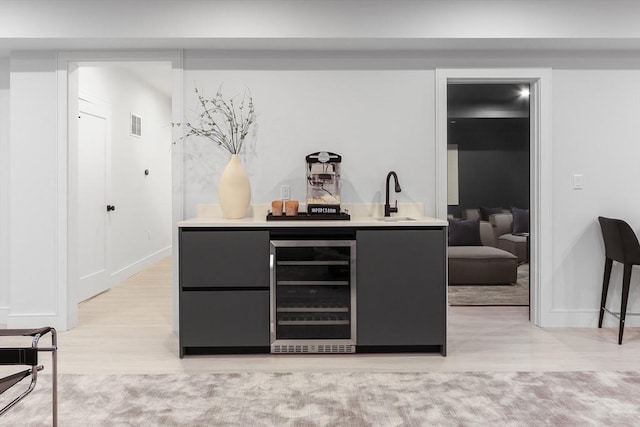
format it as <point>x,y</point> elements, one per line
<point>298,113</point>
<point>345,36</point>
<point>141,224</point>
<point>4,189</point>
<point>596,133</point>
<point>378,120</point>
<point>37,295</point>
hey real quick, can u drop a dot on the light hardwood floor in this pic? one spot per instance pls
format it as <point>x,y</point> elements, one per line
<point>129,330</point>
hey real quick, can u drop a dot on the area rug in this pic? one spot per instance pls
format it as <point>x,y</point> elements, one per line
<point>345,399</point>
<point>514,294</point>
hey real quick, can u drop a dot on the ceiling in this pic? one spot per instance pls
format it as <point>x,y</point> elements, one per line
<point>156,74</point>
<point>495,100</point>
<point>312,25</point>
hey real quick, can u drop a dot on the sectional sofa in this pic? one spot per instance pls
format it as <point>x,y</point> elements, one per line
<point>475,259</point>
<point>510,229</point>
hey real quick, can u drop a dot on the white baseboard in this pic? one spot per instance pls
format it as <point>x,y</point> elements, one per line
<point>584,319</point>
<point>32,320</point>
<point>138,266</point>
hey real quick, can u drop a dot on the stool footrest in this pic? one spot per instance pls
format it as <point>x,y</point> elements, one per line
<point>617,313</point>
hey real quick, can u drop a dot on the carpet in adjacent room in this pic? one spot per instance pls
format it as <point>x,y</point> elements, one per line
<point>514,294</point>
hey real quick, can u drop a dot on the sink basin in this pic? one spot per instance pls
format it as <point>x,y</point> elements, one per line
<point>395,219</point>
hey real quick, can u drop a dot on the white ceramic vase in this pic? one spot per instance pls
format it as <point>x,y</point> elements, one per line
<point>234,191</point>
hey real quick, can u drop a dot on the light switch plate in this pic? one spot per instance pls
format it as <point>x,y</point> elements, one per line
<point>577,182</point>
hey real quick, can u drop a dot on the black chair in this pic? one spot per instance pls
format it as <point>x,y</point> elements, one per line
<point>28,356</point>
<point>621,245</point>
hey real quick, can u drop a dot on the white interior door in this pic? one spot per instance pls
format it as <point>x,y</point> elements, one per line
<point>94,168</point>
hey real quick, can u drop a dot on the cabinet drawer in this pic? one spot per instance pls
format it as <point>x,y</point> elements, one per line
<point>224,318</point>
<point>211,258</point>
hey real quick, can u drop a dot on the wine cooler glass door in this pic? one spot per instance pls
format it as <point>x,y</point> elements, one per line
<point>313,295</point>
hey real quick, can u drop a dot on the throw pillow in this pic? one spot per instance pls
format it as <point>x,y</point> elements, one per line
<point>485,212</point>
<point>520,220</point>
<point>464,232</point>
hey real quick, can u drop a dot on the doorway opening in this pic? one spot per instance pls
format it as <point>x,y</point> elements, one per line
<point>120,202</point>
<point>539,245</point>
<point>488,190</point>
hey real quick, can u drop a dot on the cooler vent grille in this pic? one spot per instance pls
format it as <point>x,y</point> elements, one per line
<point>313,348</point>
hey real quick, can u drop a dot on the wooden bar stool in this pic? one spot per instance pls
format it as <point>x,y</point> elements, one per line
<point>620,245</point>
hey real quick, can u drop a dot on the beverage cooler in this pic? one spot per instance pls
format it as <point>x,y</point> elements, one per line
<point>313,294</point>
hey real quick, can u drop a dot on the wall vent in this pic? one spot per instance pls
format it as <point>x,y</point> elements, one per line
<point>136,125</point>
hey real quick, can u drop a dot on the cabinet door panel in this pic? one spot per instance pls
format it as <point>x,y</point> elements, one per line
<point>401,287</point>
<point>224,318</point>
<point>224,258</point>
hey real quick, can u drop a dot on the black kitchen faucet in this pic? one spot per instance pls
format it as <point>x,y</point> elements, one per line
<point>388,209</point>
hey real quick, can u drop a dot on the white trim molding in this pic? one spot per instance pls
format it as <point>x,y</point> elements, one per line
<point>540,182</point>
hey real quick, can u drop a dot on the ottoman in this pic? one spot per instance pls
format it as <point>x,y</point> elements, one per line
<point>516,244</point>
<point>481,265</point>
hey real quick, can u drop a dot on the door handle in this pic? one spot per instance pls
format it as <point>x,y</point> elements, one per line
<point>110,208</point>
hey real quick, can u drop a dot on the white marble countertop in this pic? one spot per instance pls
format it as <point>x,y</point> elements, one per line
<point>408,215</point>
